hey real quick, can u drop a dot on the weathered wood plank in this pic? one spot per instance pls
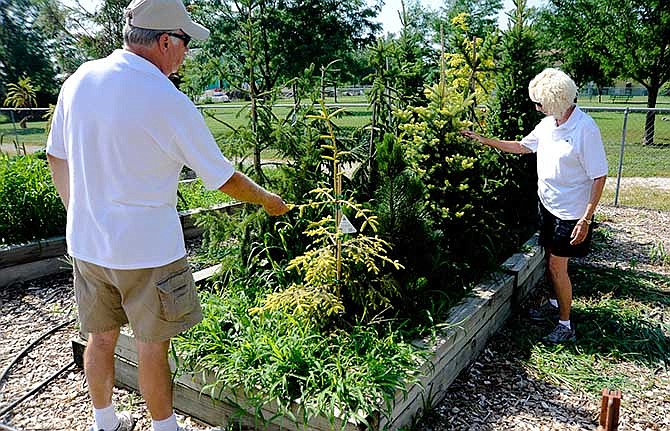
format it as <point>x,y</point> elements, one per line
<point>523,264</point>
<point>485,310</point>
<point>32,270</point>
<point>206,273</point>
<point>35,250</point>
<point>468,318</point>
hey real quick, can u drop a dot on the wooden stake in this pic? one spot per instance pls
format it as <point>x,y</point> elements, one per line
<point>609,410</point>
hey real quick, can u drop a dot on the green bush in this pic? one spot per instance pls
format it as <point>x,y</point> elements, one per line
<point>193,195</point>
<point>29,204</point>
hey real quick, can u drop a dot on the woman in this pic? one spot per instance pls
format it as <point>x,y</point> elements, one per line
<point>571,170</point>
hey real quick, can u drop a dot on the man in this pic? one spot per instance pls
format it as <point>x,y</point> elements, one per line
<point>571,170</point>
<point>120,135</point>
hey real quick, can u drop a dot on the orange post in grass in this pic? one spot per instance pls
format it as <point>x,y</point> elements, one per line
<point>609,410</point>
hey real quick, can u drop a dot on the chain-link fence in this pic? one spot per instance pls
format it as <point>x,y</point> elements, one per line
<point>637,143</point>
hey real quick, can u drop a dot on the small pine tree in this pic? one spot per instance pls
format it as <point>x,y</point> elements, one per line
<point>513,114</point>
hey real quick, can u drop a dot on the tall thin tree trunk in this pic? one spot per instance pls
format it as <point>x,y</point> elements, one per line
<point>253,96</point>
<point>650,122</point>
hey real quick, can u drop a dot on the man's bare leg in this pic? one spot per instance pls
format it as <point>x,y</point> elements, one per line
<point>99,367</point>
<point>155,378</point>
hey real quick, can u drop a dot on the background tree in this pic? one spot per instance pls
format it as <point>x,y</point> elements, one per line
<point>79,34</point>
<point>107,22</point>
<point>23,50</point>
<point>287,36</point>
<point>631,39</point>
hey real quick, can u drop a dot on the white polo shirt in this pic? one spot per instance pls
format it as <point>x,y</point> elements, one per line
<point>569,158</point>
<point>126,132</point>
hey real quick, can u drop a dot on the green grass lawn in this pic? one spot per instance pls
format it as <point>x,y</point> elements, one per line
<point>639,160</point>
<point>636,195</point>
<point>33,136</point>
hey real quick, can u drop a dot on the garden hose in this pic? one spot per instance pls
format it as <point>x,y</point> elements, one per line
<point>23,352</point>
<point>34,390</point>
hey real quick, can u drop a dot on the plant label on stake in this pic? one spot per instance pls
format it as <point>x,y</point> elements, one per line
<point>346,226</point>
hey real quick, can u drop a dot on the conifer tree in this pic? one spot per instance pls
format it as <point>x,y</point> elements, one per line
<point>513,114</point>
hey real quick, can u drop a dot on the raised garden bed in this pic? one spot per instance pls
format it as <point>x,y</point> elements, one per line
<point>468,327</point>
<point>24,262</point>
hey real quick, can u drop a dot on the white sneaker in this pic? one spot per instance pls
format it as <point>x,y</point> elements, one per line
<point>126,423</point>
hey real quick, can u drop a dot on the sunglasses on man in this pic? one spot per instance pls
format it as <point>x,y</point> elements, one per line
<point>184,37</point>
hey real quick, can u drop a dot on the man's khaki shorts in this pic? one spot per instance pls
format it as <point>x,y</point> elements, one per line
<point>159,303</point>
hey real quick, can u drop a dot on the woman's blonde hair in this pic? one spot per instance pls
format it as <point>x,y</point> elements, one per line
<point>555,90</point>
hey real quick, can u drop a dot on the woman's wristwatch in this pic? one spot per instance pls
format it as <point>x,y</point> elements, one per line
<point>588,222</point>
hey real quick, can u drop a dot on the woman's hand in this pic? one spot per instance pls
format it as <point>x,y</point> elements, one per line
<point>580,232</point>
<point>472,135</point>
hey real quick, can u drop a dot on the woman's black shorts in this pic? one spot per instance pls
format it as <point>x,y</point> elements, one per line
<point>555,235</point>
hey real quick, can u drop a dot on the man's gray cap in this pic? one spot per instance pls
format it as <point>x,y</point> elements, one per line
<point>164,15</point>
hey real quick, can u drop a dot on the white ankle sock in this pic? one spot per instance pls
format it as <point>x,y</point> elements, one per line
<point>105,419</point>
<point>565,323</point>
<point>169,424</point>
<point>554,302</point>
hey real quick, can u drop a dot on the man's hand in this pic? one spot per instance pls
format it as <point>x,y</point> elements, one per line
<point>579,233</point>
<point>274,205</point>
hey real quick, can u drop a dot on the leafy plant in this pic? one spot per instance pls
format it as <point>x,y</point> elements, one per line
<point>513,114</point>
<point>404,222</point>
<point>193,195</point>
<point>21,94</point>
<point>659,254</point>
<point>29,204</point>
<point>461,181</point>
<point>271,356</point>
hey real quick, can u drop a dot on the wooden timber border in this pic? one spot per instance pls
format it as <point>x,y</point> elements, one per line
<point>25,262</point>
<point>468,327</point>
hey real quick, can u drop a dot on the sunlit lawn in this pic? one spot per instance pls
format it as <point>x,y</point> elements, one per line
<point>639,160</point>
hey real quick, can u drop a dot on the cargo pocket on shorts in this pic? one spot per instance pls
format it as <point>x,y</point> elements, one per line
<point>177,295</point>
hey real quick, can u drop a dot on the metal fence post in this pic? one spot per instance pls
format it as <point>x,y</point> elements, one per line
<point>16,132</point>
<point>621,152</point>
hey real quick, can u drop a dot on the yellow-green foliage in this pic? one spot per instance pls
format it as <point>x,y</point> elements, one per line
<point>460,178</point>
<point>471,68</point>
<point>312,302</point>
<point>364,258</point>
<point>337,268</point>
<point>435,149</point>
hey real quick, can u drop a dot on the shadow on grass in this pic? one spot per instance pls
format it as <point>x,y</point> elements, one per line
<point>641,286</point>
<point>616,313</point>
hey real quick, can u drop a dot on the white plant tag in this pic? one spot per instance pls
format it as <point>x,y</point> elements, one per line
<point>346,226</point>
